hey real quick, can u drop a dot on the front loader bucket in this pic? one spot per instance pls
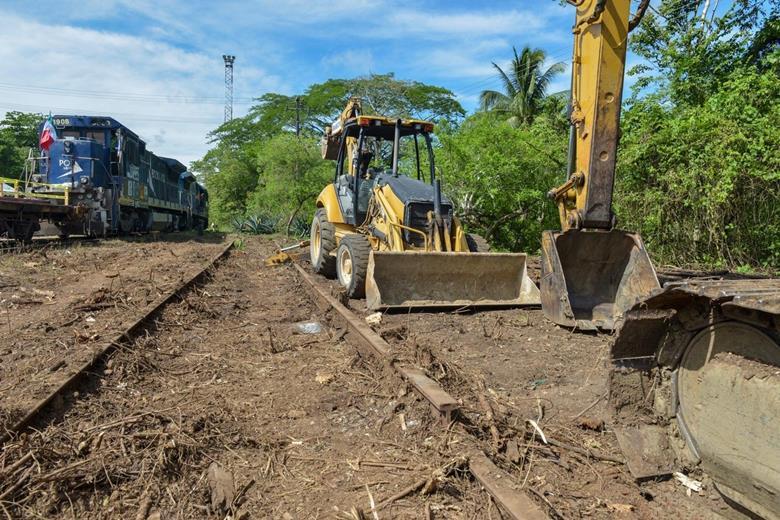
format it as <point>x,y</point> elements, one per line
<point>412,279</point>
<point>589,278</point>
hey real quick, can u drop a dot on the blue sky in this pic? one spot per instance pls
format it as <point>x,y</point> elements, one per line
<point>158,64</point>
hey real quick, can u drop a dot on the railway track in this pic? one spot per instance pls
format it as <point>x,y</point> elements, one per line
<point>222,376</point>
<point>445,407</point>
<point>38,414</point>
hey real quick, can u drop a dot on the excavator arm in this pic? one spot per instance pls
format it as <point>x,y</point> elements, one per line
<point>707,350</point>
<point>592,272</point>
<point>598,63</point>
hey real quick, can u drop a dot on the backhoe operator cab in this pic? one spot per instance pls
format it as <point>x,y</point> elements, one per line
<point>368,155</point>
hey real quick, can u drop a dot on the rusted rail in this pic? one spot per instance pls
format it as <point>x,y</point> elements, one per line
<point>125,335</point>
<point>516,503</point>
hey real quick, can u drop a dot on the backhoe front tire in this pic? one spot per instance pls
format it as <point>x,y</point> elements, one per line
<point>352,264</point>
<point>322,243</point>
<point>477,244</point>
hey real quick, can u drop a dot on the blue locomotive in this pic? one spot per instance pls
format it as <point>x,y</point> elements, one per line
<point>117,185</point>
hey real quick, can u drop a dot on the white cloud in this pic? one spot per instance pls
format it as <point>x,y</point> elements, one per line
<point>169,96</point>
<point>353,61</point>
<point>437,24</point>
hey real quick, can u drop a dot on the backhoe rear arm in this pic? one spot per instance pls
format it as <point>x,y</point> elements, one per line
<point>598,63</point>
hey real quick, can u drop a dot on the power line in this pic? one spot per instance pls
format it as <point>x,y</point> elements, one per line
<point>122,96</point>
<point>126,115</point>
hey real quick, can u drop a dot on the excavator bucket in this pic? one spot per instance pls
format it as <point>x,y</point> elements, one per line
<point>412,279</point>
<point>589,278</point>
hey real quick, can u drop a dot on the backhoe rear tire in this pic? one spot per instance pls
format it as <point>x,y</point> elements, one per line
<point>477,244</point>
<point>352,264</point>
<point>322,243</point>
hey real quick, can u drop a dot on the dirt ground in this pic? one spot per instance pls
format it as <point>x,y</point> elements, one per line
<point>58,306</point>
<point>223,408</point>
<point>295,425</point>
<point>528,368</point>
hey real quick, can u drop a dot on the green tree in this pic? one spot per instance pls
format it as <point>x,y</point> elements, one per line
<point>18,133</point>
<point>686,56</point>
<point>497,176</point>
<point>258,166</point>
<point>525,87</point>
<point>231,176</point>
<point>291,175</point>
<point>321,103</point>
<point>702,183</point>
<point>698,160</point>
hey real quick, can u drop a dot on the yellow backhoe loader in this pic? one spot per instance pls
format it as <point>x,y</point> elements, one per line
<point>390,235</point>
<point>697,362</point>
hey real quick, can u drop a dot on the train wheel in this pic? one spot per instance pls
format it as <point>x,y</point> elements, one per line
<point>24,231</point>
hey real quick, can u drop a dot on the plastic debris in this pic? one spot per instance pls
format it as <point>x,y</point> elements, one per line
<point>538,430</point>
<point>307,327</point>
<point>374,319</point>
<point>688,482</point>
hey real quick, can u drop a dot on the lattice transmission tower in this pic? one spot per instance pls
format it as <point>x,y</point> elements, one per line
<point>229,60</point>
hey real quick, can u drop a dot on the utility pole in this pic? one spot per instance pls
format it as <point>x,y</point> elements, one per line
<point>298,117</point>
<point>229,60</point>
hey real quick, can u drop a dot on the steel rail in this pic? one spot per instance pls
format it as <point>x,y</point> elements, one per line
<point>515,502</point>
<point>126,335</point>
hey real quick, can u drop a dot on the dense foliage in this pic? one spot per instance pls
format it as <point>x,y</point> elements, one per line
<point>699,163</point>
<point>18,133</point>
<point>498,174</point>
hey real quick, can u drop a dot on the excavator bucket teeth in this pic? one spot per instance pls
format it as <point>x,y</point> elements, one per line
<point>412,279</point>
<point>590,278</point>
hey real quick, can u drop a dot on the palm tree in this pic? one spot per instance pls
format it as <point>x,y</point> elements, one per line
<point>525,86</point>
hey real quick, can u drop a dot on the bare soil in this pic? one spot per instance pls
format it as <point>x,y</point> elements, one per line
<point>302,426</point>
<point>224,408</point>
<point>526,367</point>
<point>59,306</point>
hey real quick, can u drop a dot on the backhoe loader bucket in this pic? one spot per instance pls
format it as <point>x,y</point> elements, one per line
<point>412,279</point>
<point>590,278</point>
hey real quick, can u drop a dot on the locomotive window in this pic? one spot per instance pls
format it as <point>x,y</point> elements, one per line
<point>100,137</point>
<point>132,151</point>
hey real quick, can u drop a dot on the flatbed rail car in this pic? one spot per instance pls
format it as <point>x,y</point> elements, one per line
<point>21,209</point>
<point>117,183</point>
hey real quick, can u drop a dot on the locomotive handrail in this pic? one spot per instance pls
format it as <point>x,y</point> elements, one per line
<point>18,193</point>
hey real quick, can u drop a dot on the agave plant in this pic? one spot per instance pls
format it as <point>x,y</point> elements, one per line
<point>238,224</point>
<point>299,227</point>
<point>256,224</point>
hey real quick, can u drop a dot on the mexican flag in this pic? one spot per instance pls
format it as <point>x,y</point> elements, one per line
<point>48,134</point>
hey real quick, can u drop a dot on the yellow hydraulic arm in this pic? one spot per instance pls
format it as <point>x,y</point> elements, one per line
<point>592,272</point>
<point>598,63</point>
